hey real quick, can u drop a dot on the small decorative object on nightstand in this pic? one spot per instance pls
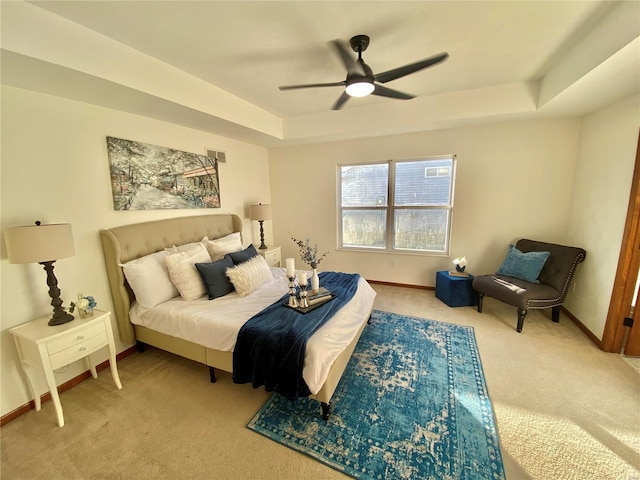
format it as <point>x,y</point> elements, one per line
<point>272,255</point>
<point>85,306</point>
<point>460,263</point>
<point>44,348</point>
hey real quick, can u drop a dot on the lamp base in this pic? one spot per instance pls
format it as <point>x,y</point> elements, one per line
<point>59,315</point>
<point>262,245</point>
<point>60,319</point>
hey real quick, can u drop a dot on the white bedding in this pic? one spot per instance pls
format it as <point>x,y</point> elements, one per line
<point>215,323</point>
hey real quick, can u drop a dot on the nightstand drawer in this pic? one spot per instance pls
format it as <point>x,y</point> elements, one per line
<point>272,258</point>
<point>78,350</point>
<point>75,338</point>
<point>271,255</point>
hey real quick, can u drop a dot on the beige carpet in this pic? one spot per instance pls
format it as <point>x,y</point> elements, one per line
<point>633,361</point>
<point>565,410</point>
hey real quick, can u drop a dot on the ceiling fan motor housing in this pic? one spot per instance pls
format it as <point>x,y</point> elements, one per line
<point>359,43</point>
<point>358,85</point>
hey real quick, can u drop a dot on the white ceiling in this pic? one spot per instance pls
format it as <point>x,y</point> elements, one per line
<point>217,66</point>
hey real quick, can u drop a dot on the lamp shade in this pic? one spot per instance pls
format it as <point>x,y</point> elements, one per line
<point>39,243</point>
<point>260,212</point>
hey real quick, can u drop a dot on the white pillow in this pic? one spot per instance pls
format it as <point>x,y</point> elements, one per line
<point>250,275</point>
<point>183,248</point>
<point>149,279</point>
<point>219,247</point>
<point>184,274</point>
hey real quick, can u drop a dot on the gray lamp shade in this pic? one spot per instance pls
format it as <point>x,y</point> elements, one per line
<point>260,212</point>
<point>39,243</point>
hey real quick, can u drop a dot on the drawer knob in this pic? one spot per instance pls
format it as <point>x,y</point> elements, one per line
<point>82,349</point>
<point>80,337</point>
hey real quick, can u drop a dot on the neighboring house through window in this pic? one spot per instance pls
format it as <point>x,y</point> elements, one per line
<point>397,205</point>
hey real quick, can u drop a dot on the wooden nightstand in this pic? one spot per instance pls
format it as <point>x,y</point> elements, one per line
<point>272,255</point>
<point>47,348</point>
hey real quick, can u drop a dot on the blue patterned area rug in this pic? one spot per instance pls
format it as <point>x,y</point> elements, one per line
<point>412,404</point>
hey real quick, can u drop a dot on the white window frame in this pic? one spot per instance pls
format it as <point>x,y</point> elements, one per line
<point>390,208</point>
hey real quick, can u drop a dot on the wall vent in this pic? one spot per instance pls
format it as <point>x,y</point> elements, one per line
<point>220,156</point>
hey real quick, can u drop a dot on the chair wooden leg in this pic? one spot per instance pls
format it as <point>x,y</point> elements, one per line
<point>521,315</point>
<point>480,299</point>
<point>555,314</point>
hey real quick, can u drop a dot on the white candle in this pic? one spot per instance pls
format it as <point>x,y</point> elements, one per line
<point>291,267</point>
<point>302,278</point>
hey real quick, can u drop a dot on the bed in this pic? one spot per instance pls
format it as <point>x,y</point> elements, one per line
<point>178,326</point>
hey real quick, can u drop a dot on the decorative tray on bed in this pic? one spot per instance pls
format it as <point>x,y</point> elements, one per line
<point>310,307</point>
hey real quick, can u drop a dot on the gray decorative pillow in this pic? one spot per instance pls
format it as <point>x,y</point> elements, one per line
<point>246,254</point>
<point>525,266</point>
<point>214,277</point>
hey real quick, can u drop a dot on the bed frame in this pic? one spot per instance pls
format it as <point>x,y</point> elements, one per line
<point>128,242</point>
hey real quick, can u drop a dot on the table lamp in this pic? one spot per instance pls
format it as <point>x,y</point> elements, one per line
<point>43,244</point>
<point>260,213</point>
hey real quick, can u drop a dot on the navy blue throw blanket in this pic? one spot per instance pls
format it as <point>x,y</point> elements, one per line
<point>271,345</point>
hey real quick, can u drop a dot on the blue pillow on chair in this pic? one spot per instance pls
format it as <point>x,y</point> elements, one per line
<point>525,266</point>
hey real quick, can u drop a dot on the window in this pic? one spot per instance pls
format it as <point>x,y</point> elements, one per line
<point>437,171</point>
<point>399,205</point>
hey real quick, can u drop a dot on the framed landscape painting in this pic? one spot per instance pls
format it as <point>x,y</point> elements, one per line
<point>149,177</point>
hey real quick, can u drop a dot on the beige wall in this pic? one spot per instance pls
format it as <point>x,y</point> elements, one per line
<point>513,180</point>
<point>604,171</point>
<point>55,169</point>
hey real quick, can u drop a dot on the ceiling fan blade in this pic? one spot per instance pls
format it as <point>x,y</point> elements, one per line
<point>314,85</point>
<point>388,92</point>
<point>411,68</point>
<point>341,101</point>
<point>349,63</point>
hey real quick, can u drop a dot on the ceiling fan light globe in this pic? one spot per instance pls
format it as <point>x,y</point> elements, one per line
<point>360,89</point>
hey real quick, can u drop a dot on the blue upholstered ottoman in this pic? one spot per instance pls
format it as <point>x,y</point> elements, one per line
<point>455,291</point>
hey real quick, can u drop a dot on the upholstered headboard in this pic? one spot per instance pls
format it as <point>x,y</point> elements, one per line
<point>128,242</point>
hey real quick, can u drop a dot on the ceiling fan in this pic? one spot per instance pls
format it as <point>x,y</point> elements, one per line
<point>361,81</point>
